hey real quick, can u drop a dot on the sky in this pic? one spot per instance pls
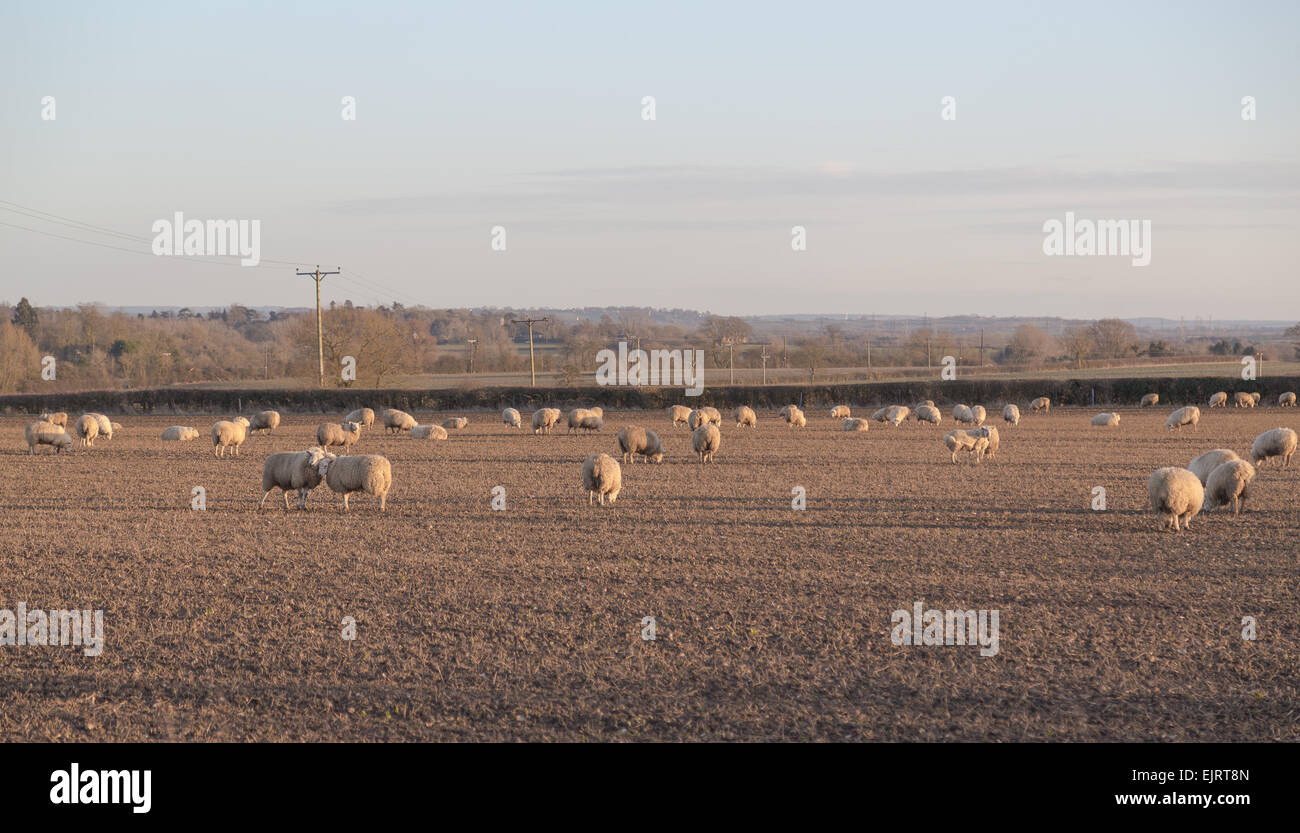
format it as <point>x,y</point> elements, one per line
<point>529,117</point>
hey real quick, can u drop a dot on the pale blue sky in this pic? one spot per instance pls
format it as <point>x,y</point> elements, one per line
<point>768,115</point>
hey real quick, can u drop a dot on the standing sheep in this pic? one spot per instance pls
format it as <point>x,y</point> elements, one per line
<point>396,421</point>
<point>576,416</point>
<point>364,417</point>
<point>1219,399</point>
<point>990,433</point>
<point>228,435</point>
<point>706,441</point>
<point>510,417</point>
<point>1011,414</point>
<point>1241,399</point>
<point>58,418</point>
<point>898,414</point>
<point>1177,495</point>
<point>592,422</point>
<point>291,470</point>
<point>602,477</point>
<point>961,440</point>
<point>745,417</point>
<point>369,473</point>
<point>429,432</point>
<point>978,414</point>
<point>180,433</point>
<point>713,415</point>
<point>963,415</point>
<point>47,433</point>
<point>633,441</point>
<point>544,419</point>
<point>105,425</point>
<point>266,421</point>
<point>455,423</point>
<point>1255,397</point>
<point>1286,400</point>
<point>856,424</point>
<point>1189,415</point>
<point>1227,486</point>
<point>86,429</point>
<point>347,434</point>
<point>928,413</point>
<point>1042,403</point>
<point>840,412</point>
<point>696,419</point>
<point>1106,419</point>
<point>680,414</point>
<point>1280,442</point>
<point>879,415</point>
<point>794,417</point>
<point>1149,399</point>
<point>1203,464</point>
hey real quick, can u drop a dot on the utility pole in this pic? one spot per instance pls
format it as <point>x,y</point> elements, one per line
<point>473,352</point>
<point>731,348</point>
<point>764,358</point>
<point>318,276</point>
<point>531,363</point>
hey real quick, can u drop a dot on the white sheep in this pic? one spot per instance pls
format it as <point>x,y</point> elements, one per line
<point>105,425</point>
<point>346,434</point>
<point>86,429</point>
<point>928,413</point>
<point>455,423</point>
<point>633,440</point>
<point>713,414</point>
<point>978,414</point>
<point>116,426</point>
<point>1177,495</point>
<point>990,433</point>
<point>576,416</point>
<point>881,414</point>
<point>544,419</point>
<point>1042,403</point>
<point>1227,485</point>
<point>602,477</point>
<point>1279,442</point>
<point>925,403</point>
<point>1148,400</point>
<point>598,411</point>
<point>592,423</point>
<point>429,432</point>
<point>396,421</point>
<point>1286,400</point>
<point>1203,464</point>
<point>510,417</point>
<point>180,433</point>
<point>840,412</point>
<point>56,417</point>
<point>47,433</point>
<point>1241,399</point>
<point>696,419</point>
<point>856,424</point>
<point>745,416</point>
<point>706,441</point>
<point>291,471</point>
<point>898,414</point>
<point>228,435</point>
<point>239,420</point>
<point>1219,399</point>
<point>266,421</point>
<point>369,473</point>
<point>793,417</point>
<point>364,417</point>
<point>963,415</point>
<point>1189,415</point>
<point>1106,419</point>
<point>680,414</point>
<point>962,440</point>
<point>1011,414</point>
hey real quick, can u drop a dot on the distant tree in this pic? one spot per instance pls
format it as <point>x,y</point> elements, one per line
<point>1112,337</point>
<point>19,358</point>
<point>1027,344</point>
<point>1078,344</point>
<point>1294,333</point>
<point>25,316</point>
<point>1156,349</point>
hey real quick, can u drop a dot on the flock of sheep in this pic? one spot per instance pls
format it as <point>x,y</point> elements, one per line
<point>1216,478</point>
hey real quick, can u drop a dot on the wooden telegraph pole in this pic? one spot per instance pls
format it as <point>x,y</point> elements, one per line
<point>318,276</point>
<point>532,364</point>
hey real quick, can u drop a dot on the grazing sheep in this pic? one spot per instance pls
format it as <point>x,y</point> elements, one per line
<point>592,423</point>
<point>746,417</point>
<point>455,423</point>
<point>58,418</point>
<point>706,441</point>
<point>1280,442</point>
<point>576,416</point>
<point>429,432</point>
<point>963,415</point>
<point>1106,419</point>
<point>369,473</point>
<point>291,470</point>
<point>598,411</point>
<point>544,419</point>
<point>881,415</point>
<point>1189,415</point>
<point>898,414</point>
<point>696,419</point>
<point>1042,403</point>
<point>840,412</point>
<point>793,417</point>
<point>228,435</point>
<point>1149,399</point>
<point>266,421</point>
<point>47,433</point>
<point>978,414</point>
<point>990,433</point>
<point>116,426</point>
<point>364,417</point>
<point>713,414</point>
<point>1286,400</point>
<point>961,440</point>
<point>1227,486</point>
<point>86,429</point>
<point>511,417</point>
<point>654,449</point>
<point>1203,464</point>
<point>180,433</point>
<point>105,425</point>
<point>1255,396</point>
<point>602,477</point>
<point>856,424</point>
<point>396,421</point>
<point>633,441</point>
<point>1011,414</point>
<point>1176,494</point>
<point>680,414</point>
<point>1241,399</point>
<point>928,413</point>
<point>346,434</point>
<point>1219,399</point>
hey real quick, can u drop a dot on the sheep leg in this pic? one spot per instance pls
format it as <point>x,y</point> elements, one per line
<point>383,499</point>
<point>345,501</point>
<point>285,493</point>
<point>263,500</point>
